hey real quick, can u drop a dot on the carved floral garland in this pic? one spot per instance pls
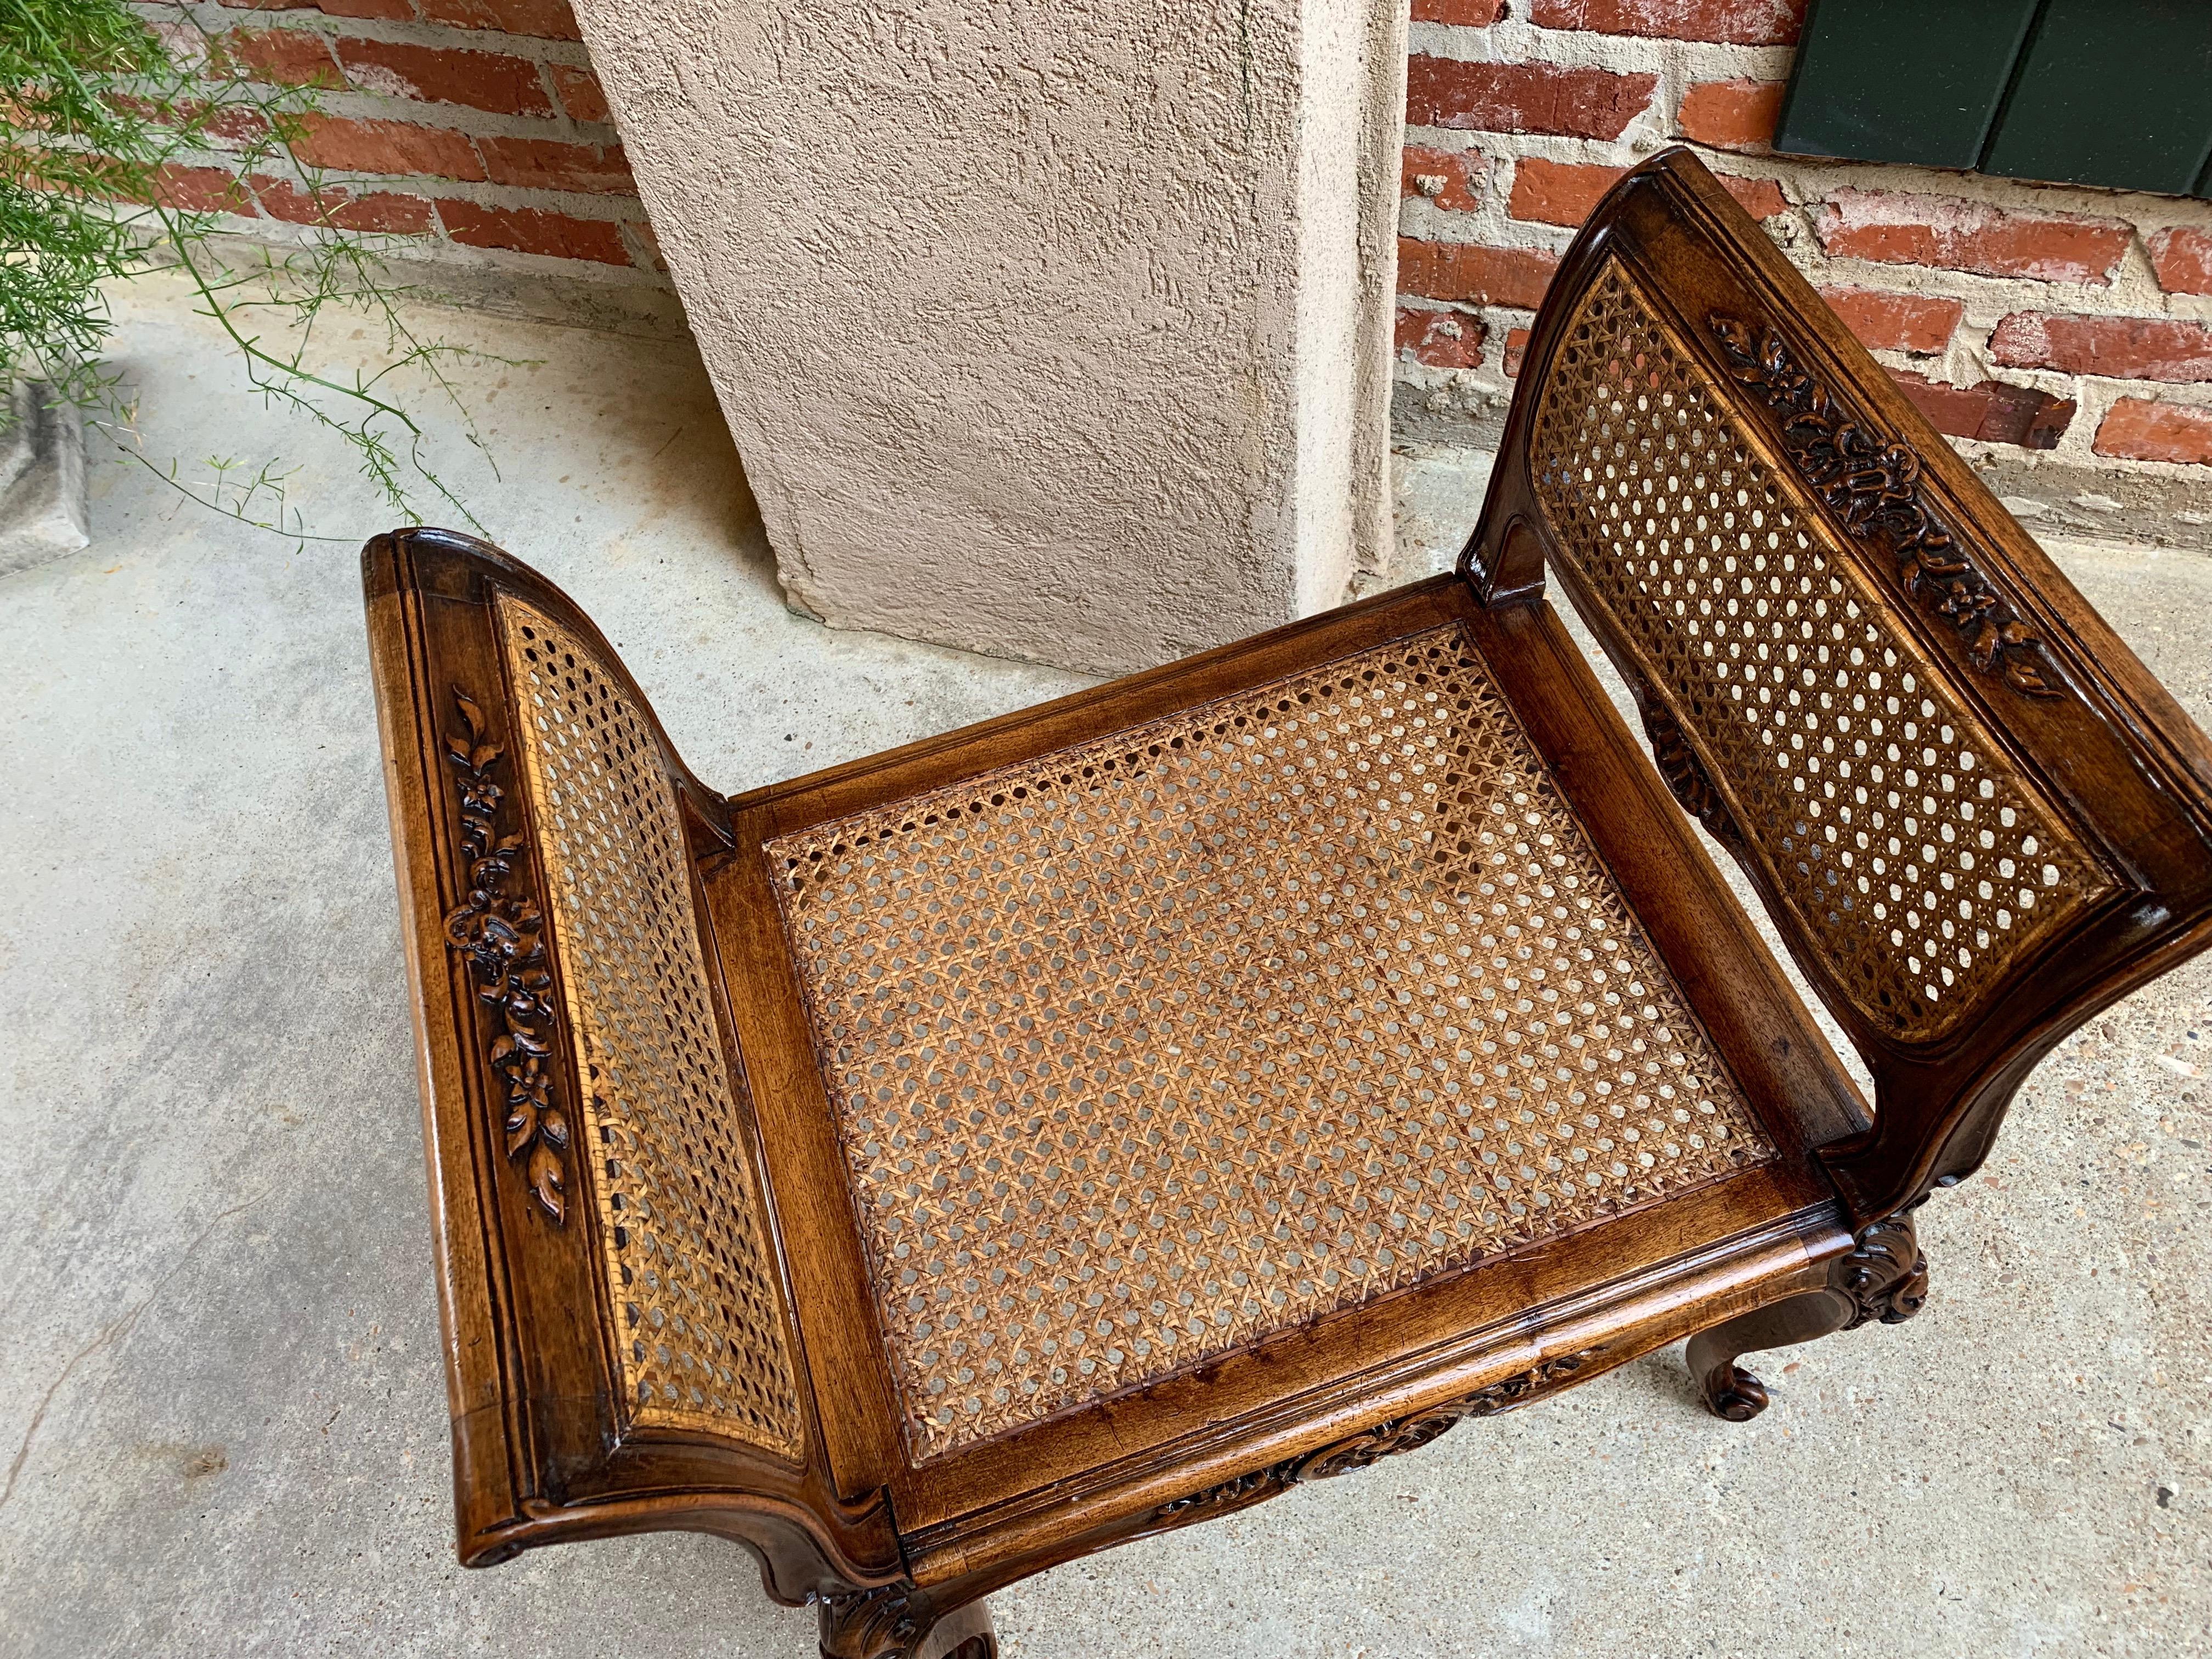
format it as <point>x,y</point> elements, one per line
<point>1873,485</point>
<point>1685,774</point>
<point>1399,1435</point>
<point>501,934</point>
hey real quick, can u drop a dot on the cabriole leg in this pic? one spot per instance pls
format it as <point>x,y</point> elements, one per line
<point>964,1633</point>
<point>1885,1278</point>
<point>1732,1392</point>
<point>896,1622</point>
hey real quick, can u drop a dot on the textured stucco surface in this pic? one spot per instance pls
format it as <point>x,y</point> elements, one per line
<point>1054,330</point>
<point>222,1426</point>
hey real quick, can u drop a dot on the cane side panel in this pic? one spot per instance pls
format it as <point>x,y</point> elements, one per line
<point>1164,1042</point>
<point>1917,861</point>
<point>699,1316</point>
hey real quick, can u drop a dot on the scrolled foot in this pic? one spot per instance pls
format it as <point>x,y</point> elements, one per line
<point>1884,1278</point>
<point>966,1633</point>
<point>1731,1392</point>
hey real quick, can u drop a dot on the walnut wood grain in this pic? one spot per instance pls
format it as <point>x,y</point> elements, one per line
<point>587,1403</point>
<point>1884,1277</point>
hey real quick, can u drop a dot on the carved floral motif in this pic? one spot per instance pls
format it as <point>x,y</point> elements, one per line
<point>1403,1434</point>
<point>1372,1445</point>
<point>500,934</point>
<point>859,1624</point>
<point>1685,774</point>
<point>1886,1276</point>
<point>1517,1391</point>
<point>1228,1493</point>
<point>1872,484</point>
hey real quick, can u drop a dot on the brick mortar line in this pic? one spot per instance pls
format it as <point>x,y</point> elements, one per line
<point>1514,41</point>
<point>219,20</point>
<point>1492,389</point>
<point>435,247</point>
<point>2095,394</point>
<point>2155,213</point>
<point>466,119</point>
<point>625,213</point>
<point>230,162</point>
<point>575,204</point>
<point>356,102</point>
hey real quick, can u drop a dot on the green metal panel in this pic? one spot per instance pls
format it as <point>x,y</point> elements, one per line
<point>2116,93</point>
<point>1917,80</point>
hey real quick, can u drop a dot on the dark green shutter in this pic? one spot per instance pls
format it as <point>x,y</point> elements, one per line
<point>2116,93</point>
<point>1916,81</point>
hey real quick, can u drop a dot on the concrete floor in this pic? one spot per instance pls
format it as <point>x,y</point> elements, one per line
<point>221,1402</point>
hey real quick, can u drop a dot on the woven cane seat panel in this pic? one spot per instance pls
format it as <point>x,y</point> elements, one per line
<point>700,1327</point>
<point>1917,860</point>
<point>1164,1042</point>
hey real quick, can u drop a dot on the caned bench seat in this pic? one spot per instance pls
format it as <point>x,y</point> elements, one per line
<point>1107,1117</point>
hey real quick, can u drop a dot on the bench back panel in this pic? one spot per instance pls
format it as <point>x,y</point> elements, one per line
<point>1918,857</point>
<point>1973,816</point>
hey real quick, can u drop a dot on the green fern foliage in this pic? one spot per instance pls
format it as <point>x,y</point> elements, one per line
<point>110,130</point>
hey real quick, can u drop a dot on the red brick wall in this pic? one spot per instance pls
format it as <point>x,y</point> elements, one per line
<point>473,129</point>
<point>2032,319</point>
<point>2060,328</point>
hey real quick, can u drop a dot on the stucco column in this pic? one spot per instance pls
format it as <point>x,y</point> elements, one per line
<point>1050,328</point>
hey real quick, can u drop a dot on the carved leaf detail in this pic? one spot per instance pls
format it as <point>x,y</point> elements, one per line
<point>1871,484</point>
<point>548,1178</point>
<point>498,933</point>
<point>1887,1276</point>
<point>1398,1435</point>
<point>1685,774</point>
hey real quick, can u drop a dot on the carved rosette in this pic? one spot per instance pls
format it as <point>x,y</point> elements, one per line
<point>1871,483</point>
<point>1886,1276</point>
<point>500,933</point>
<point>1384,1440</point>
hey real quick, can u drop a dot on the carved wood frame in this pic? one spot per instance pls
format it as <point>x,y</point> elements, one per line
<point>2072,703</point>
<point>897,1558</point>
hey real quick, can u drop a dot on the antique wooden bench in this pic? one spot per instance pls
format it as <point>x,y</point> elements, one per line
<point>1114,1114</point>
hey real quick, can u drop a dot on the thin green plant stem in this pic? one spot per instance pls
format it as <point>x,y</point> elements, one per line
<point>96,112</point>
